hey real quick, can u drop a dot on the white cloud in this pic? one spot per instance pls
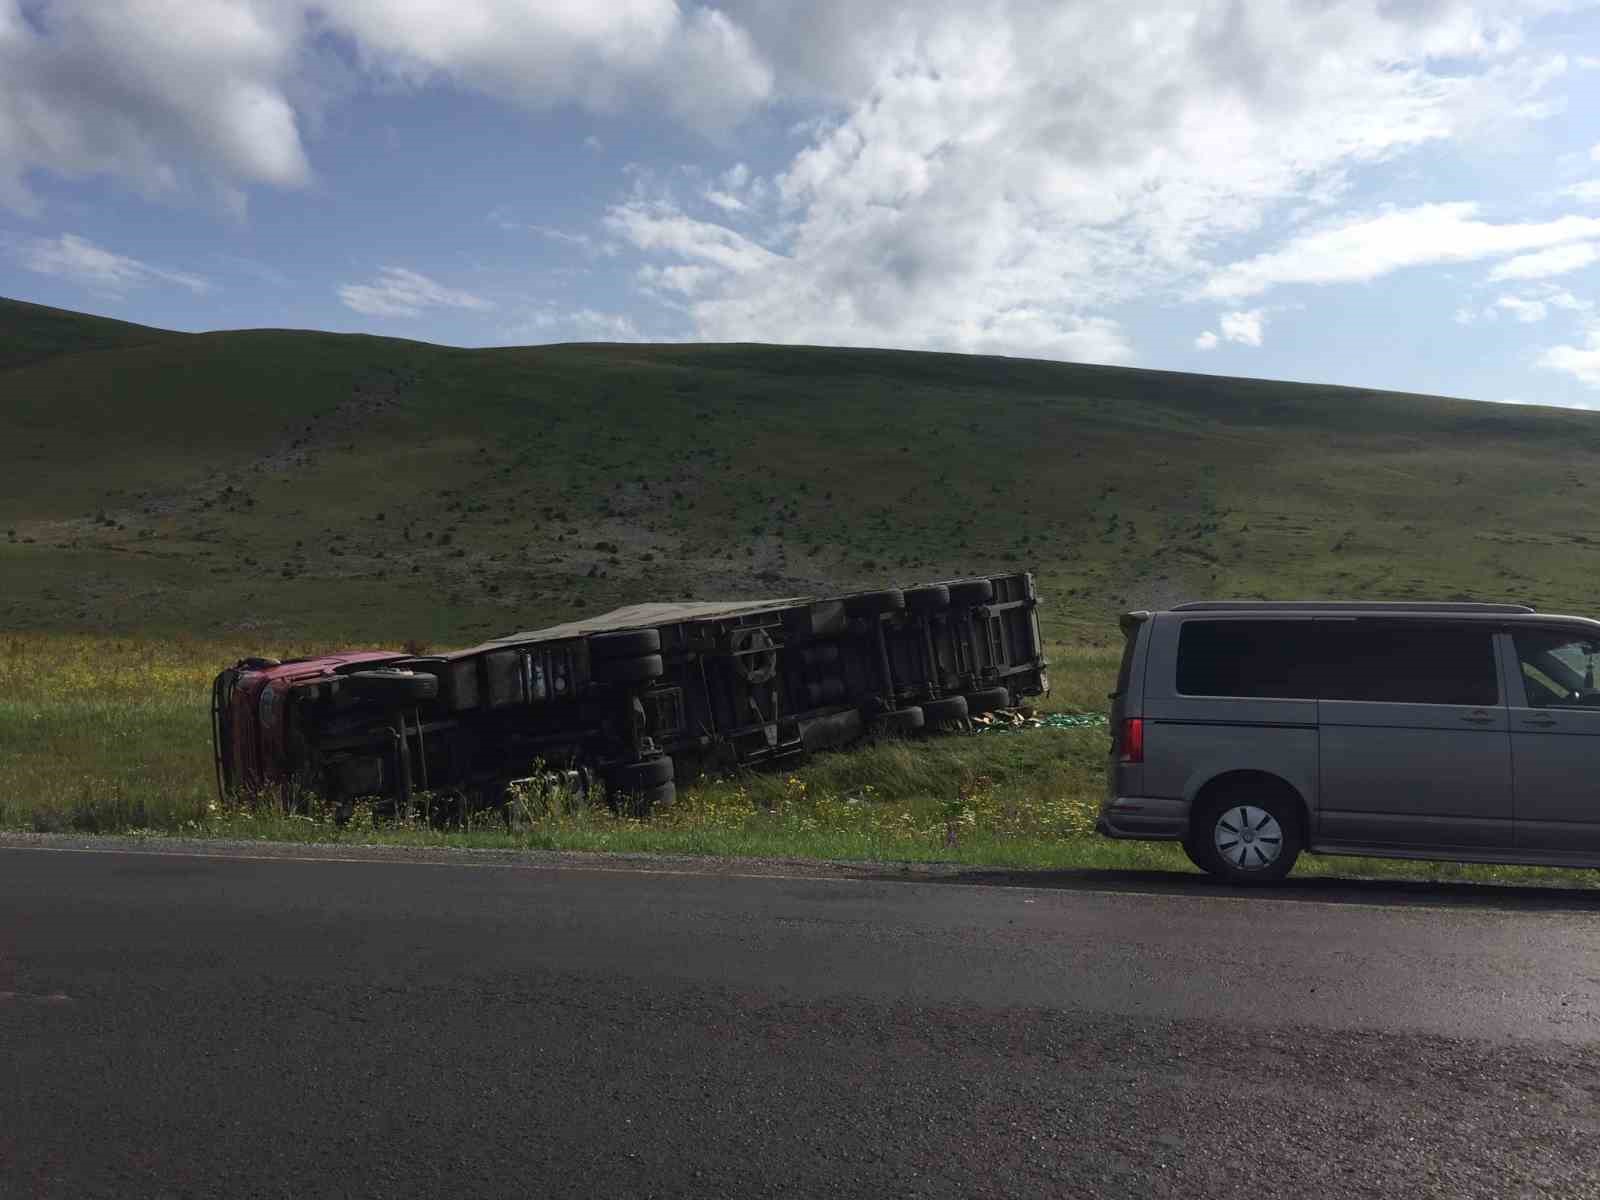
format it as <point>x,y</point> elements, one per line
<point>397,292</point>
<point>1587,192</point>
<point>1558,260</point>
<point>82,262</point>
<point>725,201</point>
<point>1243,327</point>
<point>1581,362</point>
<point>660,228</point>
<point>604,326</point>
<point>1526,311</point>
<point>149,90</point>
<point>164,93</point>
<point>1359,249</point>
<point>1000,179</point>
<point>549,323</point>
<point>697,64</point>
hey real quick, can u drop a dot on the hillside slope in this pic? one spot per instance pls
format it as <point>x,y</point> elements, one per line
<point>278,484</point>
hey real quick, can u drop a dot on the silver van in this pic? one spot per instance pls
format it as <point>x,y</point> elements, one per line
<point>1252,731</point>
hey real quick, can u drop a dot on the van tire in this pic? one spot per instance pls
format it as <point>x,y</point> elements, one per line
<point>1222,844</point>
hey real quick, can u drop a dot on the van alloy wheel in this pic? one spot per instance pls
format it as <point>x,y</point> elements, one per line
<point>1247,838</point>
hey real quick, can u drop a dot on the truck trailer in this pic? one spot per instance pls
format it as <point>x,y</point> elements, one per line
<point>627,702</point>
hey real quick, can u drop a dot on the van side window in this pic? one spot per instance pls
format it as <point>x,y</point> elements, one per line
<point>1396,664</point>
<point>1558,670</point>
<point>1248,658</point>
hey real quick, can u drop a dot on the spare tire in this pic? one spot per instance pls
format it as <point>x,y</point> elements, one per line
<point>934,598</point>
<point>627,670</point>
<point>870,604</point>
<point>988,700</point>
<point>625,643</point>
<point>395,688</point>
<point>951,708</point>
<point>967,592</point>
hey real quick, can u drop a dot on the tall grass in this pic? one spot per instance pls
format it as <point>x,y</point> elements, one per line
<point>113,734</point>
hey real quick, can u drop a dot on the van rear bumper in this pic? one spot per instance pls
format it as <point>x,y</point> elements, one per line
<point>1144,817</point>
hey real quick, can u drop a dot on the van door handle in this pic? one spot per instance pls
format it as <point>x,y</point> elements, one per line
<point>1545,721</point>
<point>1478,718</point>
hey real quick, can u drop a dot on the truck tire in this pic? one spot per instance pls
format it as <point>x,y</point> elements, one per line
<point>625,643</point>
<point>836,729</point>
<point>627,670</point>
<point>642,804</point>
<point>968,592</point>
<point>871,604</point>
<point>951,708</point>
<point>988,700</point>
<point>641,776</point>
<point>899,720</point>
<point>825,691</point>
<point>928,599</point>
<point>395,688</point>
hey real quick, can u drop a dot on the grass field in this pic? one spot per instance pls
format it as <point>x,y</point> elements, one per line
<point>171,502</point>
<point>273,485</point>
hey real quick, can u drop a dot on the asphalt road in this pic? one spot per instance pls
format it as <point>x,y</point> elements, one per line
<point>175,1024</point>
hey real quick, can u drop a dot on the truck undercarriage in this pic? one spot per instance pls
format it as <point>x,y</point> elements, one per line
<point>630,700</point>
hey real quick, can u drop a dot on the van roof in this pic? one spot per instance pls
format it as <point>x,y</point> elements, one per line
<point>1398,606</point>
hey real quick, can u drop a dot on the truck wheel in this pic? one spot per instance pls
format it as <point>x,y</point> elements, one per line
<point>1246,836</point>
<point>899,720</point>
<point>870,604</point>
<point>626,643</point>
<point>928,599</point>
<point>988,700</point>
<point>968,592</point>
<point>627,670</point>
<point>825,691</point>
<point>951,708</point>
<point>642,804</point>
<point>640,776</point>
<point>391,687</point>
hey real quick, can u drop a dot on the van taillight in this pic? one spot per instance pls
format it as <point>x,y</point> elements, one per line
<point>1133,740</point>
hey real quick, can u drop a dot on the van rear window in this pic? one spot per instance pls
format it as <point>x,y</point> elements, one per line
<point>1358,660</point>
<point>1248,658</point>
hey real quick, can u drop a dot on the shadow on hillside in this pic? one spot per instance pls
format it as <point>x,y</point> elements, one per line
<point>1320,889</point>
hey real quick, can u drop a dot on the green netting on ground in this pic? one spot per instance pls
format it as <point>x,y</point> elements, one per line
<point>1009,722</point>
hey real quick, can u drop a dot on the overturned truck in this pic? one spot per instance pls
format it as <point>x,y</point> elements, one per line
<point>630,700</point>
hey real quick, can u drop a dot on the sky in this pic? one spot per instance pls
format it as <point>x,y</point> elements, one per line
<point>1398,194</point>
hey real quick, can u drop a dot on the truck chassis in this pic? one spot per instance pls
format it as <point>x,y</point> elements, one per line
<point>633,699</point>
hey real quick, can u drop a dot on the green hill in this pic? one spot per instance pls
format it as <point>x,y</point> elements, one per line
<point>292,483</point>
